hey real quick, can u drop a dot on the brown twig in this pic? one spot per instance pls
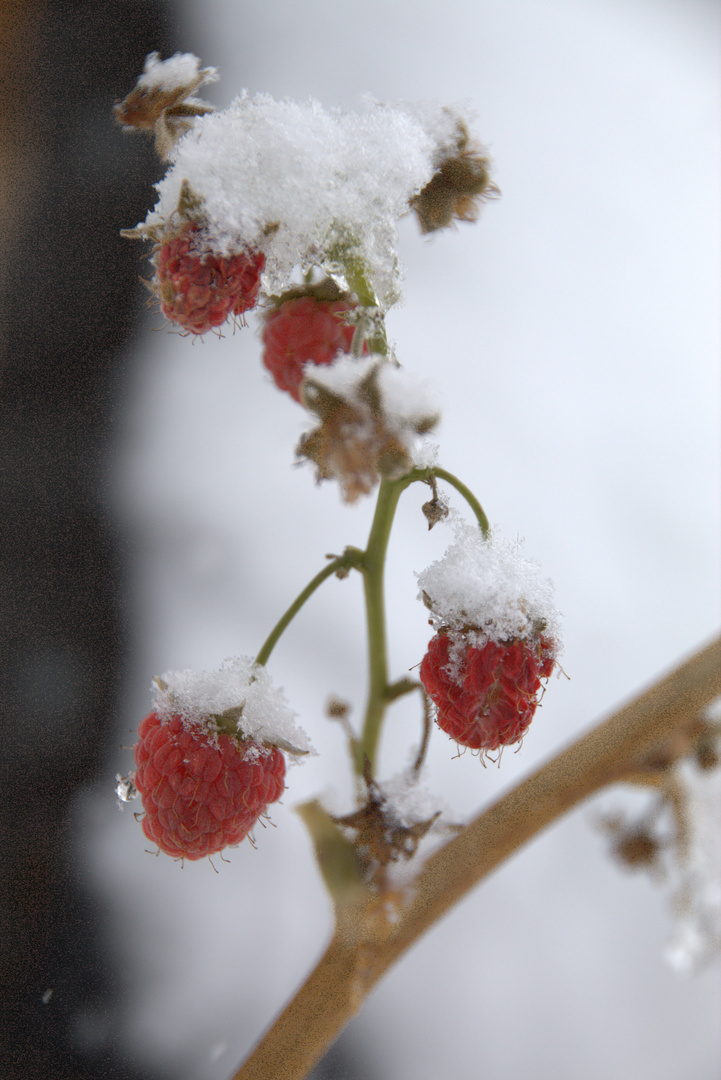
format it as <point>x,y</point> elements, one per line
<point>366,943</point>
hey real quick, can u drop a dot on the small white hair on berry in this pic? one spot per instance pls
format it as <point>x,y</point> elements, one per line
<point>486,583</point>
<point>197,695</point>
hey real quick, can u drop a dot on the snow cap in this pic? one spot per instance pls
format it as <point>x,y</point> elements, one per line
<point>176,73</point>
<point>485,589</point>
<point>305,184</point>
<point>196,696</point>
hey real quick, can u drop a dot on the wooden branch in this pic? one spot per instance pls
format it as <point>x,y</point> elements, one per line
<point>655,726</point>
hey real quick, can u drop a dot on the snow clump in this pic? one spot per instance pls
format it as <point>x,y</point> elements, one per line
<point>197,696</point>
<point>305,184</point>
<point>484,589</point>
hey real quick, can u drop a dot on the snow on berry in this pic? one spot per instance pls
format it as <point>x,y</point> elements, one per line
<point>199,290</point>
<point>306,326</point>
<point>497,637</point>
<point>240,696</point>
<point>202,791</point>
<point>308,185</point>
<point>485,697</point>
<point>487,583</point>
<point>209,758</point>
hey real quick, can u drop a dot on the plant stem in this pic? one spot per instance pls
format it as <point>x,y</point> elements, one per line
<point>425,475</point>
<point>443,474</point>
<point>380,693</point>
<point>373,568</point>
<point>371,563</point>
<point>351,557</point>
<point>350,967</point>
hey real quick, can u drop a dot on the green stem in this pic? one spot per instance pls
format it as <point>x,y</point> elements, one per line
<point>373,567</point>
<point>380,692</point>
<point>371,563</point>
<point>351,557</point>
<point>443,474</point>
<point>354,271</point>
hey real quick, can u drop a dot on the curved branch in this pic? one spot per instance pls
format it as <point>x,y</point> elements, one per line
<point>366,944</point>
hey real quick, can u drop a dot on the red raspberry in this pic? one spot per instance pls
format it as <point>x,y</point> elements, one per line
<point>199,290</point>
<point>202,792</point>
<point>302,329</point>
<point>486,697</point>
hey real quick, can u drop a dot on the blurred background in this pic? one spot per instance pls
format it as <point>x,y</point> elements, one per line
<point>154,519</point>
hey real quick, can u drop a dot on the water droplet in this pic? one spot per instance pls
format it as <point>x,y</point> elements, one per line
<point>125,789</point>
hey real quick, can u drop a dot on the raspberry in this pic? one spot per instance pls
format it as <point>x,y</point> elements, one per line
<point>199,290</point>
<point>304,329</point>
<point>486,696</point>
<point>202,791</point>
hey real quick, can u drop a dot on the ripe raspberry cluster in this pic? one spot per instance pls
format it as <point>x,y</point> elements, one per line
<point>303,329</point>
<point>199,290</point>
<point>486,696</point>
<point>202,791</point>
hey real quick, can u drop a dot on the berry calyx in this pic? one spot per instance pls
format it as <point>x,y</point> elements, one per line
<point>199,290</point>
<point>202,791</point>
<point>306,325</point>
<point>486,695</point>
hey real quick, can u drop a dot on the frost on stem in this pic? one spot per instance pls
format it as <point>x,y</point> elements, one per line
<point>371,414</point>
<point>677,839</point>
<point>387,830</point>
<point>497,638</point>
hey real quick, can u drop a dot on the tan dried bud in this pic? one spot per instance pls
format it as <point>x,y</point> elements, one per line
<point>637,846</point>
<point>337,709</point>
<point>162,101</point>
<point>434,510</point>
<point>380,836</point>
<point>637,850</point>
<point>355,449</point>
<point>461,182</point>
<point>356,442</point>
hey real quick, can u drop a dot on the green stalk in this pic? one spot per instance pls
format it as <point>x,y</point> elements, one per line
<point>351,557</point>
<point>442,474</point>
<point>373,568</point>
<point>425,475</point>
<point>380,692</point>
<point>371,563</point>
<point>354,271</point>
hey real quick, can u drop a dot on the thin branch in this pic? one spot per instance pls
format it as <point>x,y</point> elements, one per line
<point>366,943</point>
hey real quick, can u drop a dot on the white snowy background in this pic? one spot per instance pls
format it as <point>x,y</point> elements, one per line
<point>574,337</point>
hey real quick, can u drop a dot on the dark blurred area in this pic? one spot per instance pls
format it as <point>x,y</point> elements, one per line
<point>71,306</point>
<point>70,300</point>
